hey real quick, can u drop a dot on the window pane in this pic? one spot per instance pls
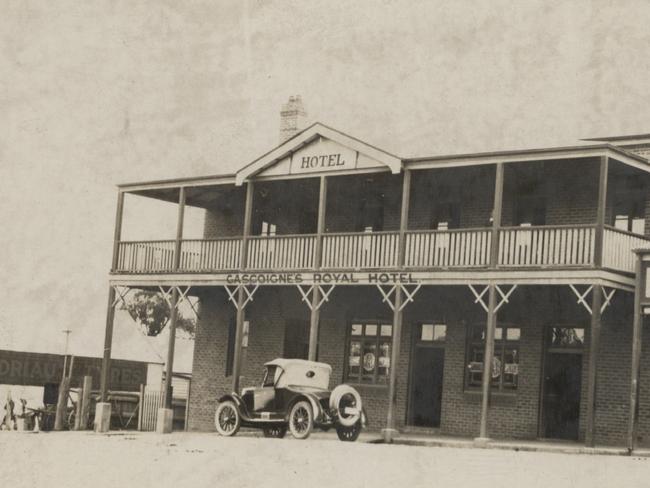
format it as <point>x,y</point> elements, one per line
<point>498,334</point>
<point>354,360</point>
<point>369,361</point>
<point>620,222</point>
<point>357,329</point>
<point>427,332</point>
<point>513,334</point>
<point>387,330</point>
<point>638,226</point>
<point>475,367</point>
<point>510,368</point>
<point>439,332</point>
<point>567,337</point>
<point>384,360</point>
<point>371,330</point>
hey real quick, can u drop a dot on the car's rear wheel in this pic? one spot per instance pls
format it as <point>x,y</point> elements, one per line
<point>349,434</point>
<point>275,431</point>
<point>301,420</point>
<point>227,419</point>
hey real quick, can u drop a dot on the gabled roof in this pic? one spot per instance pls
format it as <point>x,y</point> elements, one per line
<point>309,135</point>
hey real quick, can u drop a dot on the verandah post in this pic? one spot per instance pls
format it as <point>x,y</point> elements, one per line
<point>636,357</point>
<point>488,353</point>
<point>390,431</point>
<point>314,319</point>
<point>596,303</point>
<point>241,297</point>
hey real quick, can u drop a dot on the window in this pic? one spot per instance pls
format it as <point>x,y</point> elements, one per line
<point>567,337</point>
<point>369,352</point>
<point>432,333</point>
<point>505,364</point>
<point>629,216</point>
<point>531,210</point>
<point>445,216</point>
<point>296,339</point>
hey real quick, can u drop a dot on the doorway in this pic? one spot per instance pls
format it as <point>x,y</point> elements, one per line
<point>562,384</point>
<point>427,371</point>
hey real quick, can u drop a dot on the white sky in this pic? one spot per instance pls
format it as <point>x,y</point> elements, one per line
<point>100,92</point>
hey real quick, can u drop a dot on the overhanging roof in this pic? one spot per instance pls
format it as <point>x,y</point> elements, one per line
<point>308,135</point>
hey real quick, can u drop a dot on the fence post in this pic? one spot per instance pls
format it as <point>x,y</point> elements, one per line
<point>85,401</point>
<point>77,416</point>
<point>140,407</point>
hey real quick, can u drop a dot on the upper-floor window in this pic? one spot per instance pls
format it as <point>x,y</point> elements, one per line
<point>371,212</point>
<point>531,210</point>
<point>628,205</point>
<point>445,216</point>
<point>268,229</point>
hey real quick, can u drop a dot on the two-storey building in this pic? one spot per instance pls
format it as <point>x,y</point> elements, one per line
<point>408,276</point>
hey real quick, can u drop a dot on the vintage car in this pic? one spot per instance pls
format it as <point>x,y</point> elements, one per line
<point>294,395</point>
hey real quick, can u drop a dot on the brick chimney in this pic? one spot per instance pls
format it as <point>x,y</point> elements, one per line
<point>293,118</point>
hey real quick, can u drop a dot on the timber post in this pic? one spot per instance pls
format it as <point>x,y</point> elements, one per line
<point>637,327</point>
<point>314,318</point>
<point>241,297</point>
<point>391,431</point>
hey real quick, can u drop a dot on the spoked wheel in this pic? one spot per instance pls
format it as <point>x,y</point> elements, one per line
<point>301,420</point>
<point>275,431</point>
<point>349,434</point>
<point>227,419</point>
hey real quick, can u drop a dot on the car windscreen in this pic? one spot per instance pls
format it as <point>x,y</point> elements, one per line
<point>269,376</point>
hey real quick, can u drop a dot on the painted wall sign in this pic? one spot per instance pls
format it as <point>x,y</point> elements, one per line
<point>319,278</point>
<point>323,155</point>
<point>36,369</point>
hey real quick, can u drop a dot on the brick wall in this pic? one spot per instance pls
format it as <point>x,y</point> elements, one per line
<point>224,215</point>
<point>512,415</point>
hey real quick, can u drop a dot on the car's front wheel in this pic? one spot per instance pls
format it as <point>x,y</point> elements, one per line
<point>301,420</point>
<point>275,431</point>
<point>348,434</point>
<point>227,419</point>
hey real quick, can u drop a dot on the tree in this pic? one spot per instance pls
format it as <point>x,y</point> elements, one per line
<point>152,312</point>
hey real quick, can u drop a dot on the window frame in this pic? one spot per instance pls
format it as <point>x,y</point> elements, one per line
<point>376,378</point>
<point>501,345</point>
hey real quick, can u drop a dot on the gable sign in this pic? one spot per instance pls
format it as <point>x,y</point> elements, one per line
<point>323,155</point>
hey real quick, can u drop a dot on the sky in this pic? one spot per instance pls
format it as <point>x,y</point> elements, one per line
<point>97,93</point>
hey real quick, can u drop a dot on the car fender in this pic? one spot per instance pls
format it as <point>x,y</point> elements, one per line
<point>318,410</point>
<point>234,397</point>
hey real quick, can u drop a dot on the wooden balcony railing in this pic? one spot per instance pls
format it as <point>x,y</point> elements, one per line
<point>145,256</point>
<point>210,255</point>
<point>371,250</point>
<point>281,252</point>
<point>618,246</point>
<point>465,248</point>
<point>547,246</point>
<point>519,247</point>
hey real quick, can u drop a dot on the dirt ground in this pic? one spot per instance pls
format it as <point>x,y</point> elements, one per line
<point>84,459</point>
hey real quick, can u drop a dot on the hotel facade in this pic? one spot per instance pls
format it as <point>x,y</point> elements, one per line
<point>408,276</point>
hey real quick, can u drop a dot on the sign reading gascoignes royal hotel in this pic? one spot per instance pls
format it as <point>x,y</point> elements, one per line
<point>323,155</point>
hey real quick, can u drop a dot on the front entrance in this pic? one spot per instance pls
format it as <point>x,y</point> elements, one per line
<point>427,368</point>
<point>562,384</point>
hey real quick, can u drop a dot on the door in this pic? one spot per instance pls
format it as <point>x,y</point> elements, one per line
<point>296,339</point>
<point>561,403</point>
<point>426,386</point>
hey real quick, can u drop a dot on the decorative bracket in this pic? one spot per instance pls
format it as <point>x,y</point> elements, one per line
<point>120,296</point>
<point>503,300</point>
<point>582,297</point>
<point>393,289</point>
<point>235,289</point>
<point>308,292</point>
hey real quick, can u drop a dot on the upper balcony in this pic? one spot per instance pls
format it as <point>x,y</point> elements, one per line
<point>555,214</point>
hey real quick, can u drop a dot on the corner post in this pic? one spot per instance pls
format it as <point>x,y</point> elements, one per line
<point>241,298</point>
<point>596,303</point>
<point>117,236</point>
<point>179,228</point>
<point>636,358</point>
<point>390,431</point>
<point>600,211</point>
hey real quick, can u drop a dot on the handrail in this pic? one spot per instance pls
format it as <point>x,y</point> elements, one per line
<point>627,232</point>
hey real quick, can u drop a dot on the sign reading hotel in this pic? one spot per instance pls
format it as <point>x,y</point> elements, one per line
<point>323,155</point>
<point>324,278</point>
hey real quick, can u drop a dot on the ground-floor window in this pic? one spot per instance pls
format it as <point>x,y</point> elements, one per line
<point>369,351</point>
<point>505,364</point>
